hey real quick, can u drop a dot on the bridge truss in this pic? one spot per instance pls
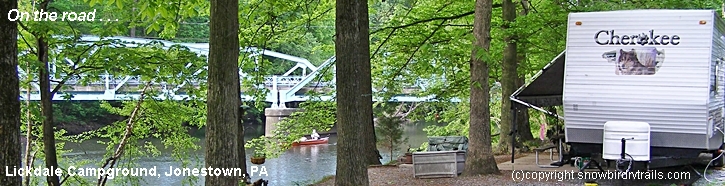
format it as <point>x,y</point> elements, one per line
<point>283,88</point>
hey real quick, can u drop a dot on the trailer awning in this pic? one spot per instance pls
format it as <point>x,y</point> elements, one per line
<point>547,87</point>
<point>545,90</point>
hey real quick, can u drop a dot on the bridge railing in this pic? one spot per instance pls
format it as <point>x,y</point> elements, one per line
<point>286,84</point>
<point>282,81</point>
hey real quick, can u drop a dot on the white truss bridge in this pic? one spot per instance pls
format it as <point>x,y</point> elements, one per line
<point>283,88</point>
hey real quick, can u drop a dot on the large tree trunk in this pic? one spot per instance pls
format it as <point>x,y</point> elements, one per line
<point>223,91</point>
<point>479,158</point>
<point>522,118</point>
<point>46,107</point>
<point>368,130</point>
<point>354,92</point>
<point>132,31</point>
<point>9,97</point>
<point>508,77</point>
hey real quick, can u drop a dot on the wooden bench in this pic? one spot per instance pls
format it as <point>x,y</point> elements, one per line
<point>549,147</point>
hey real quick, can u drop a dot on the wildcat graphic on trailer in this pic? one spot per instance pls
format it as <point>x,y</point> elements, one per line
<point>644,61</point>
<point>648,91</point>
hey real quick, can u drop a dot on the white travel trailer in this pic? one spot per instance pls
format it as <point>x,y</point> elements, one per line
<point>652,76</point>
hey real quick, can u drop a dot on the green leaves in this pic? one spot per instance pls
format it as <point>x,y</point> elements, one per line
<point>264,146</point>
<point>320,115</point>
<point>166,120</point>
<point>541,34</point>
<point>389,131</point>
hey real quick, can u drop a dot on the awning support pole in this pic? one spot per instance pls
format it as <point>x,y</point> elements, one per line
<point>513,132</point>
<point>537,108</point>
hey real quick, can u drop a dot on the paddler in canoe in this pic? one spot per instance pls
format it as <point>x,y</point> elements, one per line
<point>315,139</point>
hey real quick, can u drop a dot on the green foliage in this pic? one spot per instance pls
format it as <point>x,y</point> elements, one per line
<point>299,28</point>
<point>456,117</point>
<point>422,148</point>
<point>320,115</point>
<point>410,40</point>
<point>264,146</point>
<point>153,62</point>
<point>193,30</point>
<point>432,39</point>
<point>407,48</point>
<point>258,145</point>
<point>160,119</point>
<point>78,111</point>
<point>36,149</point>
<point>390,133</point>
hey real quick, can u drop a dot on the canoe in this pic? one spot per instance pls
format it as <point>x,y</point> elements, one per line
<point>311,142</point>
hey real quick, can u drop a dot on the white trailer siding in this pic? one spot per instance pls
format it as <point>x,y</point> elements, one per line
<point>716,100</point>
<point>674,100</point>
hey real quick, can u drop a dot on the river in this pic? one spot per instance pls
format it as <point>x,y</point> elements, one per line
<point>298,166</point>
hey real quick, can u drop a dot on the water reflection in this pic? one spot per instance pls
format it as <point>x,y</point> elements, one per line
<point>299,165</point>
<point>303,163</point>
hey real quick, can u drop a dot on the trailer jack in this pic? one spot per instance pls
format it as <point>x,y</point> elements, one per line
<point>623,163</point>
<point>590,162</point>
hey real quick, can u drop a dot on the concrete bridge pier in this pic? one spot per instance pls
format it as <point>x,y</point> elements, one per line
<point>274,115</point>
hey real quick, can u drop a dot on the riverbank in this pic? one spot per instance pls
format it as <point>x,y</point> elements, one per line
<point>79,127</point>
<point>77,117</point>
<point>92,124</point>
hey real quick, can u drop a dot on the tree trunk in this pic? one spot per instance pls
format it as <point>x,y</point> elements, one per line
<point>392,148</point>
<point>371,149</point>
<point>132,31</point>
<point>46,107</point>
<point>508,76</point>
<point>9,102</point>
<point>479,158</point>
<point>523,127</point>
<point>354,92</point>
<point>29,157</point>
<point>223,91</point>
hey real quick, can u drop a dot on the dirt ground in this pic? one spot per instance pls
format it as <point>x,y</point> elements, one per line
<point>403,175</point>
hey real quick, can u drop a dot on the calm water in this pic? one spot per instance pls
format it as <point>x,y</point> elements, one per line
<point>299,165</point>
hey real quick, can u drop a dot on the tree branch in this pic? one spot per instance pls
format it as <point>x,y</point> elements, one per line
<point>387,38</point>
<point>410,58</point>
<point>75,72</point>
<point>382,43</point>
<point>430,19</point>
<point>65,178</point>
<point>23,37</point>
<point>29,161</point>
<point>78,58</point>
<point>424,21</point>
<point>44,4</point>
<point>525,5</point>
<point>127,134</point>
<point>410,110</point>
<point>459,25</point>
